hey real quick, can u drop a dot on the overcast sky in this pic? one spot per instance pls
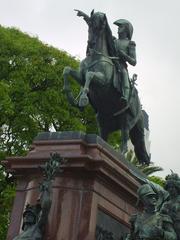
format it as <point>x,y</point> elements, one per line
<point>157,37</point>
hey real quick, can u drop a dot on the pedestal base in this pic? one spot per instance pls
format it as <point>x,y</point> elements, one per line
<point>96,191</point>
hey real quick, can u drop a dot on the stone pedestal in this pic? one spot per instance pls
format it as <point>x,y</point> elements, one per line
<point>96,191</point>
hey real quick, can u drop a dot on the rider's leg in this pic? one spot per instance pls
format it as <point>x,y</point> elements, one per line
<point>125,86</point>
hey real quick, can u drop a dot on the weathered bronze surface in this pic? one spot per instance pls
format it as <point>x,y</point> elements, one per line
<point>172,207</point>
<point>35,216</point>
<point>105,82</point>
<point>151,223</point>
<point>126,52</point>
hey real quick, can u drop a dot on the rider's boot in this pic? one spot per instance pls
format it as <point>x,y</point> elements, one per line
<point>125,88</point>
<point>125,97</point>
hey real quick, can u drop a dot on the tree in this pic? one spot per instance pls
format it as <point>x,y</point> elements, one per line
<point>31,87</point>
<point>7,191</point>
<point>158,180</point>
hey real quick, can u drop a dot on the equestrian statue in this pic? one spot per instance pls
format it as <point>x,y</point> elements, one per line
<point>105,82</point>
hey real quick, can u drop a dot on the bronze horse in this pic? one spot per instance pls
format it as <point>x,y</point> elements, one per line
<point>96,75</point>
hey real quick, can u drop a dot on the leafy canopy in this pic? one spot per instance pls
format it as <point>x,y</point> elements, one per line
<point>31,91</point>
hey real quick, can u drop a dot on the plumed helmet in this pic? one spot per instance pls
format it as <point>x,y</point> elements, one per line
<point>145,190</point>
<point>129,26</point>
<point>172,179</point>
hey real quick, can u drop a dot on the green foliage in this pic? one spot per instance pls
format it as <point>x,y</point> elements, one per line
<point>147,170</point>
<point>7,192</point>
<point>114,140</point>
<point>32,100</point>
<point>31,91</point>
<point>157,180</point>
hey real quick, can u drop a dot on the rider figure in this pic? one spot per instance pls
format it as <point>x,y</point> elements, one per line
<point>126,51</point>
<point>172,206</point>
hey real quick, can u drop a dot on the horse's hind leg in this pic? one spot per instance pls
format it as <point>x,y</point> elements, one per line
<point>104,134</point>
<point>103,127</point>
<point>124,140</point>
<point>137,138</point>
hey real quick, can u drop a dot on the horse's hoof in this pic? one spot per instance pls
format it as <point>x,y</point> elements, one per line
<point>145,163</point>
<point>83,101</point>
<point>124,150</point>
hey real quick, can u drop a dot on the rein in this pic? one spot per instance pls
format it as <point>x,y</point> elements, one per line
<point>99,60</point>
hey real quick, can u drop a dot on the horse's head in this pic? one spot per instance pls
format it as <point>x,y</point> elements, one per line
<point>98,21</point>
<point>97,27</point>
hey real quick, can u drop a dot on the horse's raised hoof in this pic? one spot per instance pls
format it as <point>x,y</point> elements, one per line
<point>83,100</point>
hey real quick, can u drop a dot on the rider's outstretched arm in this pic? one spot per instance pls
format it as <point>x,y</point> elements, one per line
<point>84,15</point>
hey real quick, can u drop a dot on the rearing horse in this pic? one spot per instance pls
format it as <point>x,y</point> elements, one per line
<point>96,75</point>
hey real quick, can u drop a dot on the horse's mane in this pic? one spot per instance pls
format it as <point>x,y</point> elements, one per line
<point>110,40</point>
<point>108,33</point>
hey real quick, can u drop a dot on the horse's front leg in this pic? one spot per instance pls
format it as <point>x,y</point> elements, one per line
<point>76,74</point>
<point>68,71</point>
<point>89,77</point>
